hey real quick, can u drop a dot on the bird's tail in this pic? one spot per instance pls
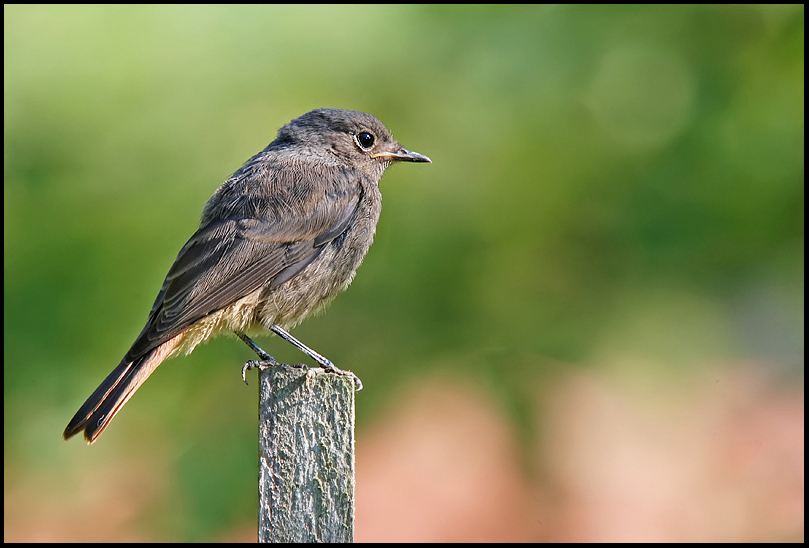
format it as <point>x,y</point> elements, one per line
<point>100,408</point>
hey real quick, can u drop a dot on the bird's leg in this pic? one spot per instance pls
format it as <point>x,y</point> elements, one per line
<point>322,360</point>
<point>266,359</point>
<point>257,349</point>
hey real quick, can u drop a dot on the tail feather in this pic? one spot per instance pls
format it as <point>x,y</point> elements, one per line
<point>105,402</point>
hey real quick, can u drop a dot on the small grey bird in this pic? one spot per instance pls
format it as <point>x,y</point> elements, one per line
<point>277,241</point>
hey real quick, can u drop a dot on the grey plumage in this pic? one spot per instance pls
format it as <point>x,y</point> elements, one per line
<point>277,241</point>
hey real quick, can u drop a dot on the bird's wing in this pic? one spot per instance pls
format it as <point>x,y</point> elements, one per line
<point>228,259</point>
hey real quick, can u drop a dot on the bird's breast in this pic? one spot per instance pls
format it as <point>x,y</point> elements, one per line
<point>327,275</point>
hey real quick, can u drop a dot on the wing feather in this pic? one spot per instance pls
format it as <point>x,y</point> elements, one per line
<point>227,259</point>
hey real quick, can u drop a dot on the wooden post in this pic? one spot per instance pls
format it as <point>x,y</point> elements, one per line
<point>306,456</point>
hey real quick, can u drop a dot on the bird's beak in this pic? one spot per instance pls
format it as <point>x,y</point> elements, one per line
<point>402,155</point>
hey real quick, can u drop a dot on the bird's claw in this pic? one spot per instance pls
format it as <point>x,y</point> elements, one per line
<point>326,364</point>
<point>256,364</point>
<point>261,365</point>
<point>330,367</point>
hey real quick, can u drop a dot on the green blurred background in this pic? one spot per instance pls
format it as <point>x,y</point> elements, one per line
<point>614,191</point>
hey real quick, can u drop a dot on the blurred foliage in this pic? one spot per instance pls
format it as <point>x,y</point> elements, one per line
<point>605,178</point>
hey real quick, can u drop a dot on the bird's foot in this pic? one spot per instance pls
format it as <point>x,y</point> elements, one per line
<point>261,365</point>
<point>331,368</point>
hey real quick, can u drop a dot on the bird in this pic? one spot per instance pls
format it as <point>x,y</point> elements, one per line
<point>277,241</point>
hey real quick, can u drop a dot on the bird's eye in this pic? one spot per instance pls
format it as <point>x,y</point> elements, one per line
<point>365,140</point>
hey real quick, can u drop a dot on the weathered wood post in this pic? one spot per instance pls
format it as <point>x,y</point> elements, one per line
<point>306,456</point>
